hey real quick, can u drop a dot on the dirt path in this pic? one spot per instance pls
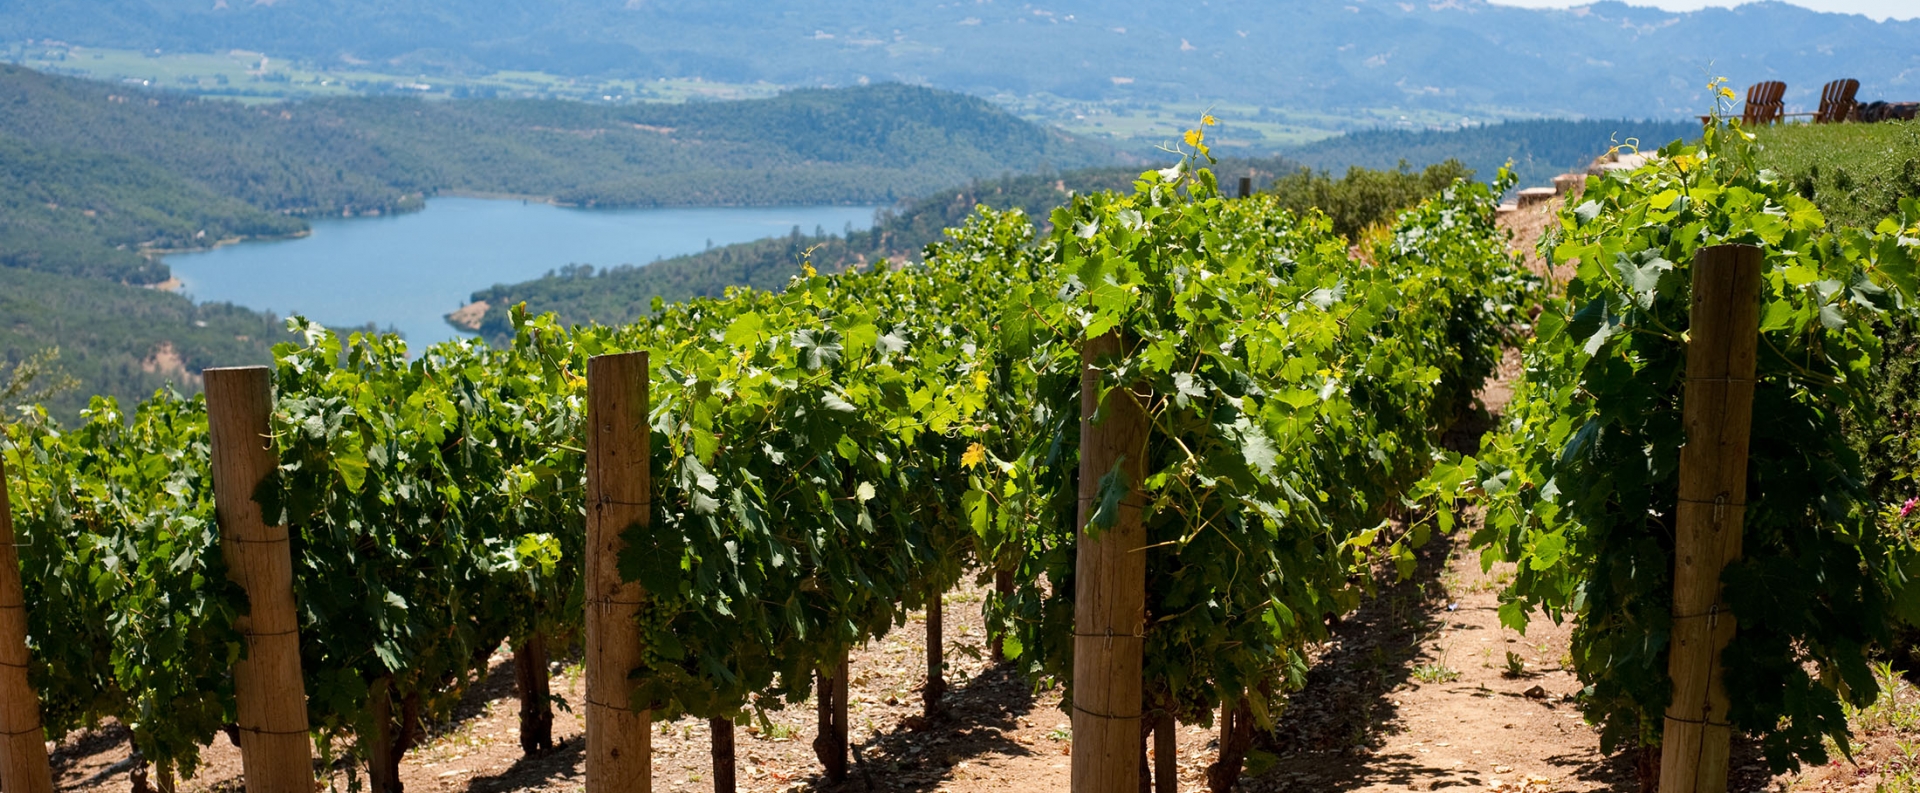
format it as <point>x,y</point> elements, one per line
<point>1423,689</point>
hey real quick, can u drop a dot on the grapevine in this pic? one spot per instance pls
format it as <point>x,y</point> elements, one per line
<point>1580,487</point>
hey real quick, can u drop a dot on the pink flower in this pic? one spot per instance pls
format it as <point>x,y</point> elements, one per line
<point>1908,508</point>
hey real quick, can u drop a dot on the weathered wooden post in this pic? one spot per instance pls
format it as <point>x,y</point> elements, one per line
<point>1110,585</point>
<point>23,747</point>
<point>1718,415</point>
<point>1246,186</point>
<point>276,753</point>
<point>619,743</point>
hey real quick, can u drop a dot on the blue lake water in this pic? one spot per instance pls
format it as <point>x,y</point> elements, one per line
<point>409,271</point>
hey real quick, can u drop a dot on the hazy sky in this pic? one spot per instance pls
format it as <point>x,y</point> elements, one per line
<point>1878,9</point>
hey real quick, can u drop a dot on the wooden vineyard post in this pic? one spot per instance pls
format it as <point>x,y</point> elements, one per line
<point>936,687</point>
<point>383,766</point>
<point>1246,187</point>
<point>1110,587</point>
<point>1718,414</point>
<point>23,747</point>
<point>1146,761</point>
<point>619,487</point>
<point>276,753</point>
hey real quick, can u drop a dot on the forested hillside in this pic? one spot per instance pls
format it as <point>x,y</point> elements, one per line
<point>89,213</point>
<point>97,179</point>
<point>123,341</point>
<point>98,171</point>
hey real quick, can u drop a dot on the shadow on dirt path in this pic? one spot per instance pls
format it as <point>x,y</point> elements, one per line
<point>1346,708</point>
<point>1424,689</point>
<point>566,759</point>
<point>975,730</point>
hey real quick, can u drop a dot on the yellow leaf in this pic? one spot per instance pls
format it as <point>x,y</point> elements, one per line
<point>1209,120</point>
<point>1193,137</point>
<point>975,455</point>
<point>806,268</point>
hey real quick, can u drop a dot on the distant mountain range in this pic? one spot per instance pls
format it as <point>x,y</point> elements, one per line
<point>1461,56</point>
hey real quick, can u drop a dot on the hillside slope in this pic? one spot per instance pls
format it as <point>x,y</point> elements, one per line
<point>124,341</point>
<point>1604,59</point>
<point>96,171</point>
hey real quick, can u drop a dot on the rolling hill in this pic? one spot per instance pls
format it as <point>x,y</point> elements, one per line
<point>93,172</point>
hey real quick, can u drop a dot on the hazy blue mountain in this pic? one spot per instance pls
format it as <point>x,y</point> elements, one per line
<point>1606,59</point>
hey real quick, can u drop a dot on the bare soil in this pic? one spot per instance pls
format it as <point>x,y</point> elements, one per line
<point>1529,226</point>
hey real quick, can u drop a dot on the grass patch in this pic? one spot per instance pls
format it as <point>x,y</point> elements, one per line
<point>1435,673</point>
<point>1897,709</point>
<point>1857,173</point>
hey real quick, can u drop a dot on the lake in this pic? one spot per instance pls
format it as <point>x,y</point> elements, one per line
<point>408,271</point>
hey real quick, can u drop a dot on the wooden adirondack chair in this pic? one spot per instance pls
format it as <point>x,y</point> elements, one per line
<point>1765,104</point>
<point>1837,102</point>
